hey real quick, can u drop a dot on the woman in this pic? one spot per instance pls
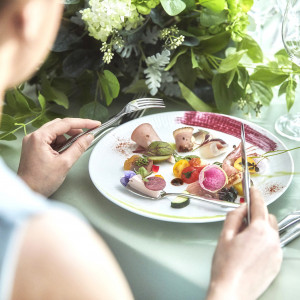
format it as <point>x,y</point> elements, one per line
<point>47,251</point>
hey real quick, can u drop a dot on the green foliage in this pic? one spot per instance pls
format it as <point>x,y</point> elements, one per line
<point>215,65</point>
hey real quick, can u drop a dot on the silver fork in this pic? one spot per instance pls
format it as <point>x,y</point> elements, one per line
<point>132,106</point>
<point>288,234</point>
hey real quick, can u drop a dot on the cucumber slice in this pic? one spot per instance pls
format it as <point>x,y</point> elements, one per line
<point>180,202</point>
<point>159,158</point>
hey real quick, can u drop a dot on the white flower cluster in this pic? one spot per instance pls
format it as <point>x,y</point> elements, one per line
<point>104,16</point>
<point>172,37</point>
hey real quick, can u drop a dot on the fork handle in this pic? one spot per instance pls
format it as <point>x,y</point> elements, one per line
<point>219,203</point>
<point>93,131</point>
<point>290,235</point>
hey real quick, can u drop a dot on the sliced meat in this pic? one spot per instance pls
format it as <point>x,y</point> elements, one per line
<point>144,135</point>
<point>155,183</point>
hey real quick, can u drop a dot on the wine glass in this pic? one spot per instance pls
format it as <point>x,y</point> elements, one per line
<point>289,125</point>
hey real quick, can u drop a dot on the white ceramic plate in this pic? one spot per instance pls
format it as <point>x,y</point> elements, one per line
<point>107,159</point>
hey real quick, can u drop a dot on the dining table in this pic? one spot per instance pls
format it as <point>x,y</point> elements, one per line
<point>172,260</point>
<point>169,260</point>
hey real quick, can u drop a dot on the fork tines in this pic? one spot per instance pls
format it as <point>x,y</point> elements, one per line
<point>147,102</point>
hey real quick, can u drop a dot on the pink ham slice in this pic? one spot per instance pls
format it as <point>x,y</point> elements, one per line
<point>144,135</point>
<point>196,189</point>
<point>184,139</point>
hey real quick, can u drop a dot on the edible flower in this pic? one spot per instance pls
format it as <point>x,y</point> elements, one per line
<point>127,175</point>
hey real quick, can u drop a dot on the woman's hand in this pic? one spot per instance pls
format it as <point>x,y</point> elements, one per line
<point>247,258</point>
<point>43,168</point>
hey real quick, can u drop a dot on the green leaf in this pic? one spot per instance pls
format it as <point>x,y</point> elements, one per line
<point>212,18</point>
<point>243,77</point>
<point>282,89</point>
<point>138,86</point>
<point>254,51</point>
<point>7,123</point>
<point>22,104</point>
<point>7,137</point>
<point>290,93</point>
<point>185,72</point>
<point>246,5</point>
<point>175,57</point>
<point>67,37</point>
<point>194,60</point>
<point>268,77</point>
<point>173,7</point>
<point>42,101</point>
<point>231,61</point>
<point>110,86</point>
<point>80,60</point>
<point>223,95</point>
<point>195,102</point>
<point>230,76</point>
<point>261,92</point>
<point>214,43</point>
<point>94,111</point>
<point>53,94</point>
<point>113,83</point>
<point>215,5</point>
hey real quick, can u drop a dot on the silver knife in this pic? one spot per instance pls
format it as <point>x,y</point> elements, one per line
<point>246,174</point>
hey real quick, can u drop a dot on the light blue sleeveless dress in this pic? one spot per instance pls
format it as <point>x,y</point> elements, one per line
<point>17,205</point>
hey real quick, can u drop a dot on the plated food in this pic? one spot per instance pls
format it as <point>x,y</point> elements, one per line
<point>108,156</point>
<point>187,156</point>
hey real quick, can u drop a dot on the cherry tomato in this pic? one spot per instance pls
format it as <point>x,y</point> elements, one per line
<point>179,166</point>
<point>195,162</point>
<point>190,174</point>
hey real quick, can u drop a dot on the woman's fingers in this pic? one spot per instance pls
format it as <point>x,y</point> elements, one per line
<point>234,222</point>
<point>273,222</point>
<point>258,208</point>
<point>72,154</point>
<point>60,127</point>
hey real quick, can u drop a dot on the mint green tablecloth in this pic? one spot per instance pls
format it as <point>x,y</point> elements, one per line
<point>168,260</point>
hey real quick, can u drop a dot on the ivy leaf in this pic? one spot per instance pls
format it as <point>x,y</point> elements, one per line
<point>231,61</point>
<point>7,123</point>
<point>195,102</point>
<point>261,92</point>
<point>173,7</point>
<point>268,77</point>
<point>94,111</point>
<point>254,51</point>
<point>214,5</point>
